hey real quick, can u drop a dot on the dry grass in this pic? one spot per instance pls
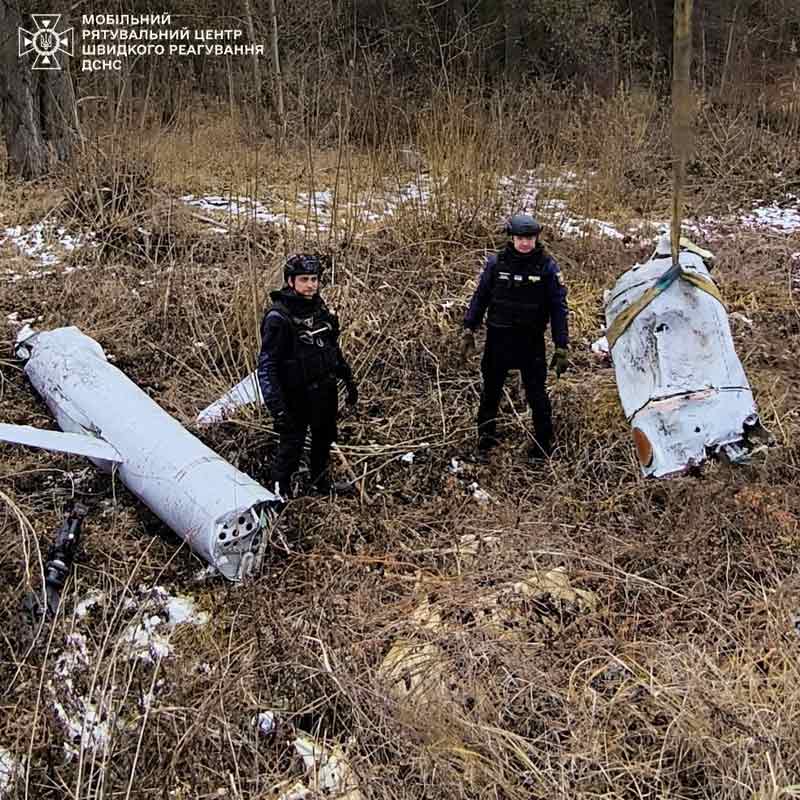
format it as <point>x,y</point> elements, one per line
<point>681,683</point>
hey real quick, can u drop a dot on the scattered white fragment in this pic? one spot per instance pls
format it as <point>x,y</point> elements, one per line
<point>181,609</point>
<point>471,543</point>
<point>739,317</point>
<point>455,466</point>
<point>266,723</point>
<point>328,770</point>
<point>297,791</point>
<point>85,604</point>
<point>9,769</point>
<point>600,348</point>
<point>205,574</point>
<point>408,458</point>
<point>149,638</point>
<point>480,495</point>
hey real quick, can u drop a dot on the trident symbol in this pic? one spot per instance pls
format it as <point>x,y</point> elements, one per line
<point>45,41</point>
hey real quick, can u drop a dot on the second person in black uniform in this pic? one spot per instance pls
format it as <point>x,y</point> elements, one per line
<point>522,290</point>
<point>298,366</point>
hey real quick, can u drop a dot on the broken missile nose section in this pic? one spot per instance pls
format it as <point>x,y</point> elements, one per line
<point>680,382</point>
<point>220,512</point>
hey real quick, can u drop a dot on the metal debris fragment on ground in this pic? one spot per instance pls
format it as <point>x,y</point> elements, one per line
<point>681,384</point>
<point>220,512</point>
<point>328,772</point>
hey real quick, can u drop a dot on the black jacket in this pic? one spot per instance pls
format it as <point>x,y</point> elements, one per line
<point>521,292</point>
<point>300,350</point>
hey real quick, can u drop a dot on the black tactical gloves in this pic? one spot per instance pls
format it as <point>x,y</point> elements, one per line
<point>281,420</point>
<point>559,363</point>
<point>467,343</point>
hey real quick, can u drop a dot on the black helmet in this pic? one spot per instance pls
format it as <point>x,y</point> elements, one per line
<point>523,225</point>
<point>302,264</point>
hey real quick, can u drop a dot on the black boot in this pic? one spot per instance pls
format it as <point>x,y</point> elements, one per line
<point>485,446</point>
<point>282,491</point>
<point>324,487</point>
<point>539,453</point>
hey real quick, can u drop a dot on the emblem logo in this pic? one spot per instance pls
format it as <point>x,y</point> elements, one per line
<point>46,41</point>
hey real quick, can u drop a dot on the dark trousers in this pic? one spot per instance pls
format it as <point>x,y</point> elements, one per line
<point>507,349</point>
<point>316,410</point>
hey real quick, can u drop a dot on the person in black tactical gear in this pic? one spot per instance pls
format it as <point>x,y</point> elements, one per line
<point>298,365</point>
<point>522,289</point>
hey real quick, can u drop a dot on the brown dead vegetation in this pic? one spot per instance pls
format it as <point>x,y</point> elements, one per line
<point>679,680</point>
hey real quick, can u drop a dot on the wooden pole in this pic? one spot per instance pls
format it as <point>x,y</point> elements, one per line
<point>681,114</point>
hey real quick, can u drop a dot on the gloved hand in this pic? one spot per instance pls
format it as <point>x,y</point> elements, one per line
<point>559,363</point>
<point>467,343</point>
<point>281,421</point>
<point>351,398</point>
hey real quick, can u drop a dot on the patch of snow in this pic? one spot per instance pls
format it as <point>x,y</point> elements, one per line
<point>83,722</point>
<point>780,218</point>
<point>181,609</point>
<point>322,200</point>
<point>149,638</point>
<point>235,207</point>
<point>145,642</point>
<point>38,242</point>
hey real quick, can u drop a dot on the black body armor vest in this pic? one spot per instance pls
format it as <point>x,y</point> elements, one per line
<point>519,292</point>
<point>312,360</point>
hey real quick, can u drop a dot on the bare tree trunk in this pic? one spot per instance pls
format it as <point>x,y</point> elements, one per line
<point>256,66</point>
<point>726,65</point>
<point>37,106</point>
<point>514,12</point>
<point>146,103</point>
<point>276,65</point>
<point>231,104</point>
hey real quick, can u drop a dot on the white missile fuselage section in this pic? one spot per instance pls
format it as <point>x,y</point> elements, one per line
<point>681,384</point>
<point>220,512</point>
